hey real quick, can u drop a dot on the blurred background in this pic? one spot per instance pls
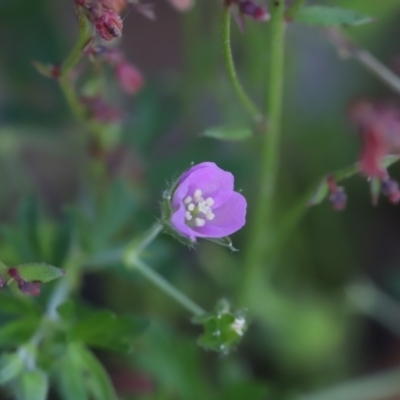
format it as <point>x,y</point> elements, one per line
<point>326,326</point>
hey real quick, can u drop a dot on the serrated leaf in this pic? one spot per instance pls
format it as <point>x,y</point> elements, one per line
<point>39,272</point>
<point>228,133</point>
<point>330,16</point>
<point>11,365</point>
<point>32,385</point>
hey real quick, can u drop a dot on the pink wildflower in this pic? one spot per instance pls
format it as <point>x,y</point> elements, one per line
<point>205,203</point>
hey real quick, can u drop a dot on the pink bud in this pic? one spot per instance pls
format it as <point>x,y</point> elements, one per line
<point>30,288</point>
<point>108,25</point>
<point>253,10</point>
<point>129,77</point>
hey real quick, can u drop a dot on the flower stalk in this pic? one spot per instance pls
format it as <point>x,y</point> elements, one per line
<point>247,103</point>
<point>71,62</point>
<point>132,262</point>
<point>262,224</point>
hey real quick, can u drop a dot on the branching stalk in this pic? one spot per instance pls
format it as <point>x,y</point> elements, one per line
<point>247,103</point>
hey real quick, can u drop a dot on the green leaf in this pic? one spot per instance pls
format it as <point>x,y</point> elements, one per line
<point>228,133</point>
<point>11,365</point>
<point>97,380</point>
<point>32,385</point>
<point>330,16</point>
<point>39,272</point>
<point>105,329</point>
<point>18,331</point>
<point>10,304</point>
<point>375,189</point>
<point>71,375</point>
<point>320,193</point>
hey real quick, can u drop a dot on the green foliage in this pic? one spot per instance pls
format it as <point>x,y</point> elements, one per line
<point>81,376</point>
<point>35,272</point>
<point>330,16</point>
<point>32,385</point>
<point>105,329</point>
<point>228,133</point>
<point>11,364</point>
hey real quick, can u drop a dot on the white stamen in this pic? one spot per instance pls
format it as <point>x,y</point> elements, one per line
<point>239,325</point>
<point>188,200</point>
<point>199,222</point>
<point>210,201</point>
<point>188,216</point>
<point>203,207</point>
<point>198,193</point>
<point>210,216</point>
<point>191,207</point>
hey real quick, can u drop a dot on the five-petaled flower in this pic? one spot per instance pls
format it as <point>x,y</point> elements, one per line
<point>204,203</point>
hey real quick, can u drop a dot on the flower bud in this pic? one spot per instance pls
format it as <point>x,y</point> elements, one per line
<point>253,10</point>
<point>390,188</point>
<point>337,197</point>
<point>108,25</point>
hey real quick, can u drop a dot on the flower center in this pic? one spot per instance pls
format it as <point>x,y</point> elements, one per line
<point>198,210</point>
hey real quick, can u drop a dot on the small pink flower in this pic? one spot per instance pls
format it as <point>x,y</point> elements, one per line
<point>205,204</point>
<point>379,128</point>
<point>116,5</point>
<point>129,77</point>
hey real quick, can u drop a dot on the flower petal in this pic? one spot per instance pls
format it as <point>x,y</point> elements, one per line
<point>210,179</point>
<point>179,223</point>
<point>229,218</point>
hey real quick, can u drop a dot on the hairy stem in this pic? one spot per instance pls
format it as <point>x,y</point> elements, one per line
<point>66,81</point>
<point>261,224</point>
<point>165,286</point>
<point>133,262</point>
<point>347,48</point>
<point>230,67</point>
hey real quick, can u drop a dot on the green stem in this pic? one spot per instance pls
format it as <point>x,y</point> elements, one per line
<point>165,286</point>
<point>230,67</point>
<point>66,82</point>
<point>261,224</point>
<point>132,261</point>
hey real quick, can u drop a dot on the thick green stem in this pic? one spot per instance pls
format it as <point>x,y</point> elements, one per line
<point>230,67</point>
<point>261,224</point>
<point>66,82</point>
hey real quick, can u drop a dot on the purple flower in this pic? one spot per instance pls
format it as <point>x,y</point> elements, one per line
<point>204,203</point>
